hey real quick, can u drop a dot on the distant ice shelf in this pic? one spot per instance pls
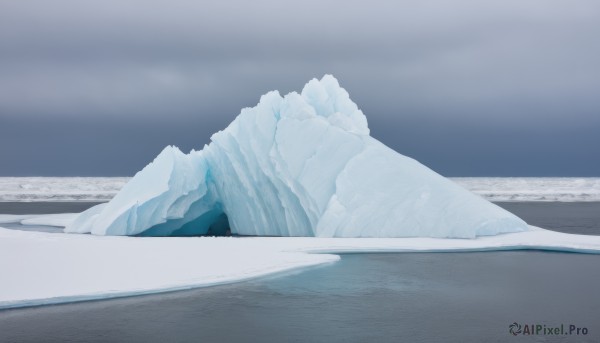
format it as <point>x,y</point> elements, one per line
<point>533,189</point>
<point>506,189</point>
<point>46,189</point>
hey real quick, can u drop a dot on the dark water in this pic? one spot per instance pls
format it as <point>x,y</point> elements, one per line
<point>571,217</point>
<point>417,297</point>
<point>44,207</point>
<point>409,297</point>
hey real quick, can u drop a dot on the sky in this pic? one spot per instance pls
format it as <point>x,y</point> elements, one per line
<point>468,88</point>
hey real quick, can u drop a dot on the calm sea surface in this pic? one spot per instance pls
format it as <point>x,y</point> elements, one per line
<point>407,297</point>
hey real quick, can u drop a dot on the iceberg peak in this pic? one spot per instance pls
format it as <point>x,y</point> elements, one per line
<point>298,165</point>
<point>333,102</point>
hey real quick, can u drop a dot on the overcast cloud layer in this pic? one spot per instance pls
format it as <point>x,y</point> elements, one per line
<point>503,88</point>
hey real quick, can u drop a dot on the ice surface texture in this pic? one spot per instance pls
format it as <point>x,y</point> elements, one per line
<point>299,165</point>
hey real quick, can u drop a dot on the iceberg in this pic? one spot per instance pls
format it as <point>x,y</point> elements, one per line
<point>299,165</point>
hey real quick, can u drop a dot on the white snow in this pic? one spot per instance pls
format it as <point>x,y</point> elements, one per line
<point>15,218</point>
<point>47,268</point>
<point>299,165</point>
<point>58,219</point>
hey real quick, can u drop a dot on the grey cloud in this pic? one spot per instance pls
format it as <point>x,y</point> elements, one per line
<point>508,69</point>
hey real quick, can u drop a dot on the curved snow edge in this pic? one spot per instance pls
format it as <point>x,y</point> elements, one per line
<point>69,277</point>
<point>114,295</point>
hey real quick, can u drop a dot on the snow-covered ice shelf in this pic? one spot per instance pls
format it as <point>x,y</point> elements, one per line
<point>47,268</point>
<point>57,219</point>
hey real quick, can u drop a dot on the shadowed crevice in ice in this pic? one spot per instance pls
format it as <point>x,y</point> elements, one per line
<point>211,223</point>
<point>299,165</point>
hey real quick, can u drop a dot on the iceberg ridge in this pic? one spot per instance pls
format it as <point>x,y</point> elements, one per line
<point>299,165</point>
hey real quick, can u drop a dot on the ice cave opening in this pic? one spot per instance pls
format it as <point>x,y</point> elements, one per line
<point>210,223</point>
